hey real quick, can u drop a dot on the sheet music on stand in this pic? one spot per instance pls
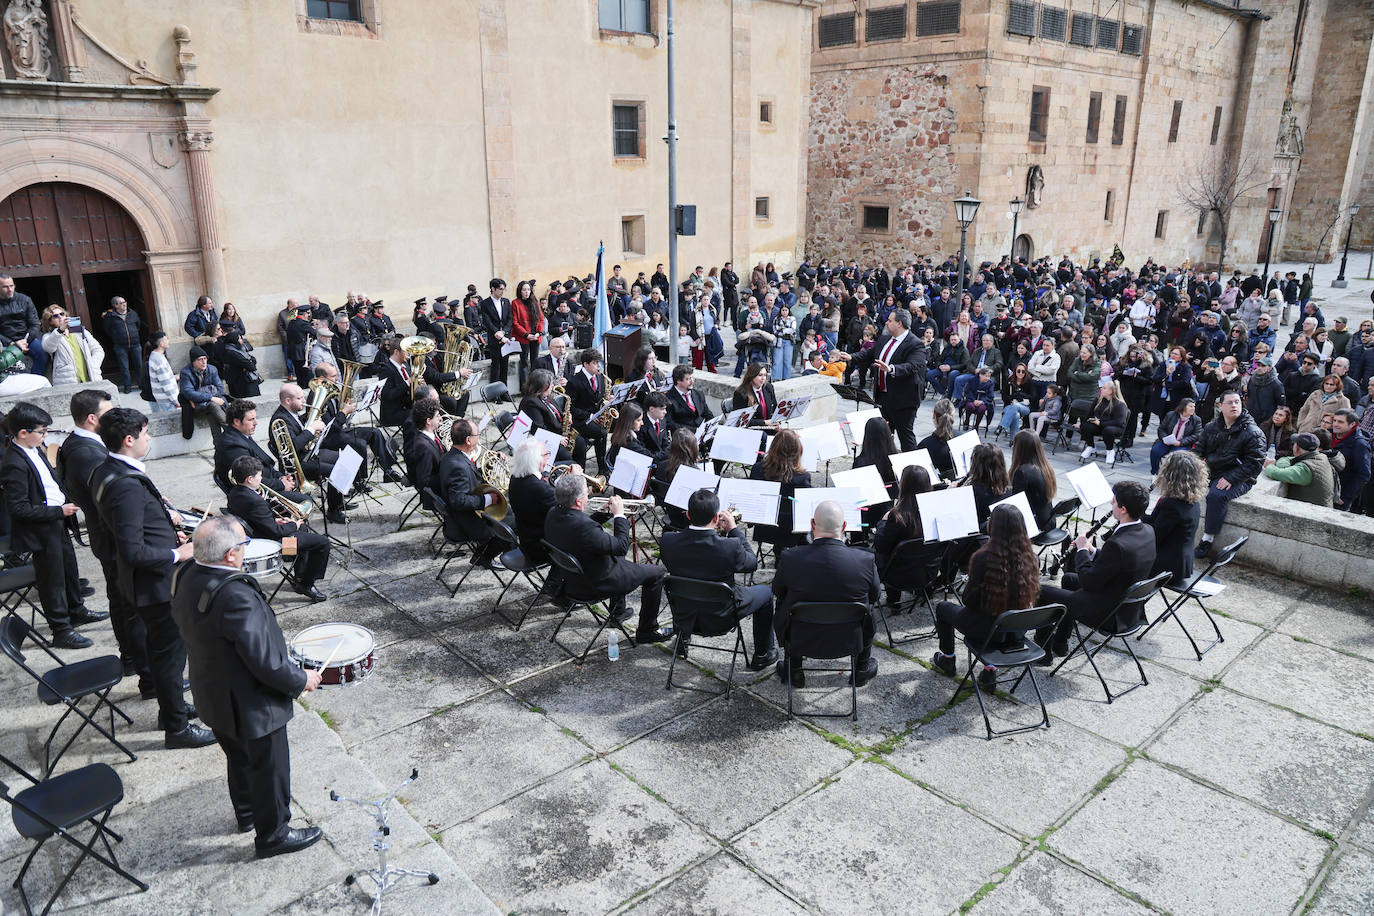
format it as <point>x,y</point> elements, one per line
<point>319,440</point>
<point>855,423</point>
<point>472,381</point>
<point>625,391</point>
<point>1091,486</point>
<point>707,429</point>
<point>1021,503</point>
<point>519,430</point>
<point>631,473</point>
<point>596,417</point>
<point>686,481</point>
<point>869,483</point>
<point>345,469</point>
<point>486,421</point>
<point>739,417</point>
<point>792,408</point>
<point>805,501</point>
<point>370,396</point>
<point>821,443</point>
<point>552,441</point>
<point>736,444</point>
<point>947,515</point>
<point>960,447</point>
<point>756,501</point>
<point>919,457</point>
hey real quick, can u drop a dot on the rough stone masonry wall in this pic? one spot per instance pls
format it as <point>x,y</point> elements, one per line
<point>879,137</point>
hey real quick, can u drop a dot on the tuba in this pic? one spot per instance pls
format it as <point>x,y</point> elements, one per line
<point>348,374</point>
<point>416,349</point>
<point>457,357</point>
<point>280,437</point>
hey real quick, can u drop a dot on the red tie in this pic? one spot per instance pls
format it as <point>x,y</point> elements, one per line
<point>439,442</point>
<point>763,406</point>
<point>555,410</point>
<point>405,374</point>
<point>691,404</point>
<point>658,433</point>
<point>887,351</point>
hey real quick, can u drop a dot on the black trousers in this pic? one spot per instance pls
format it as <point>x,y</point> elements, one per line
<point>312,557</point>
<point>757,601</point>
<point>1062,594</point>
<point>500,365</point>
<point>259,771</point>
<point>166,661</point>
<point>53,561</point>
<point>366,439</point>
<point>593,435</point>
<point>129,631</point>
<point>130,361</point>
<point>903,422</point>
<point>951,616</point>
<point>649,581</point>
<point>869,630</point>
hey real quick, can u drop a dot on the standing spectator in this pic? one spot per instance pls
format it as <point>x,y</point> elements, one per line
<point>75,353</point>
<point>201,392</point>
<point>162,382</point>
<point>200,324</point>
<point>123,328</point>
<point>496,320</point>
<point>1233,447</point>
<point>784,340</point>
<point>527,325</point>
<point>240,367</point>
<point>18,316</point>
<point>284,318</point>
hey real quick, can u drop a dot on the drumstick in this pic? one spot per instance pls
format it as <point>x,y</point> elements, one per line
<point>329,661</point>
<point>321,638</point>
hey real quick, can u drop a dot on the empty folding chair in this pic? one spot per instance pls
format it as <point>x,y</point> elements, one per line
<point>913,567</point>
<point>825,630</point>
<point>1009,631</point>
<point>581,594</point>
<point>1203,585</point>
<point>1056,536</point>
<point>702,608</point>
<point>1121,622</point>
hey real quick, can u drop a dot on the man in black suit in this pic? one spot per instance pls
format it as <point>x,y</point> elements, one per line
<point>237,440</point>
<point>147,549</point>
<point>362,439</point>
<point>556,360</point>
<point>1101,578</point>
<point>38,510</point>
<point>496,320</point>
<point>426,451</point>
<point>291,400</point>
<point>699,552</point>
<point>458,481</point>
<point>653,435</point>
<point>243,679</point>
<point>686,406</point>
<point>397,398</point>
<point>587,390</point>
<point>901,363</point>
<point>602,555</point>
<point>246,502</point>
<point>81,453</point>
<point>826,570</point>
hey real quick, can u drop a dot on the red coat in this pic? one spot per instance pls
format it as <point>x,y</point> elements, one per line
<point>523,323</point>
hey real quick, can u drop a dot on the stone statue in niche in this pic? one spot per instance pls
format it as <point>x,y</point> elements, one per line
<point>1035,187</point>
<point>1290,145</point>
<point>26,36</point>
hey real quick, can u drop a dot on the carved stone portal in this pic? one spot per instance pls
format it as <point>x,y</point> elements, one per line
<point>26,36</point>
<point>1035,187</point>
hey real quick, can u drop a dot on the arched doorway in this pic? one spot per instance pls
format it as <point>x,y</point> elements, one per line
<point>1022,248</point>
<point>71,245</point>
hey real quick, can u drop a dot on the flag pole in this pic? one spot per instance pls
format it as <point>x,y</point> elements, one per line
<point>673,296</point>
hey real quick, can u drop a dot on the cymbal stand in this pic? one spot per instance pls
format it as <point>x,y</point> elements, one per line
<point>384,876</point>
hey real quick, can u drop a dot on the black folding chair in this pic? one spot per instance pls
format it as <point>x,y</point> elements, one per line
<point>53,807</point>
<point>914,567</point>
<point>16,585</point>
<point>1137,596</point>
<point>954,564</point>
<point>826,630</point>
<point>68,685</point>
<point>1048,540</point>
<point>1063,434</point>
<point>440,510</point>
<point>474,547</point>
<point>702,608</point>
<point>1203,585</point>
<point>580,594</point>
<point>514,560</point>
<point>495,392</point>
<point>1009,627</point>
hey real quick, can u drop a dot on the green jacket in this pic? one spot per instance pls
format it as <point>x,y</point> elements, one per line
<point>1310,478</point>
<point>1084,380</point>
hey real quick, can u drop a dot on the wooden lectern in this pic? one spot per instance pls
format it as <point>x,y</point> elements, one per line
<point>622,342</point>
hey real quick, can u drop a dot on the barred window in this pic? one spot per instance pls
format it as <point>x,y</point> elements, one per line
<point>1081,30</point>
<point>885,23</point>
<point>1108,32</point>
<point>1021,18</point>
<point>761,208</point>
<point>334,9</point>
<point>1053,22</point>
<point>624,15</point>
<point>1119,121</point>
<point>1132,39</point>
<point>938,17</point>
<point>836,30</point>
<point>877,219</point>
<point>1174,119</point>
<point>1039,114</point>
<point>1094,117</point>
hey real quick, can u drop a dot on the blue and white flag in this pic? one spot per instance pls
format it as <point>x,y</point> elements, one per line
<point>603,310</point>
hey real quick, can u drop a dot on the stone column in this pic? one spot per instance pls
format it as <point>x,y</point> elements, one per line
<point>742,116</point>
<point>196,144</point>
<point>499,136</point>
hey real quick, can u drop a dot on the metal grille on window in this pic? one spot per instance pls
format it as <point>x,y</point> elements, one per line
<point>1108,33</point>
<point>333,9</point>
<point>885,23</point>
<point>1053,22</point>
<point>876,219</point>
<point>836,30</point>
<point>939,17</point>
<point>626,127</point>
<point>1021,18</point>
<point>1081,30</point>
<point>1132,39</point>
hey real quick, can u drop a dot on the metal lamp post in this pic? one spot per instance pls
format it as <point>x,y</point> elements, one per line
<point>965,209</point>
<point>1339,282</point>
<point>1274,215</point>
<point>1016,204</point>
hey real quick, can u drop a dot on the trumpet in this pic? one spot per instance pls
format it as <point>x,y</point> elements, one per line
<point>631,506</point>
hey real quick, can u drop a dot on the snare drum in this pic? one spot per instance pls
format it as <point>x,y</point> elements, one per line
<point>262,558</point>
<point>347,647</point>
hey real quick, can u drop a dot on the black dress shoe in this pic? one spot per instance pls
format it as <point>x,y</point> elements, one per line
<point>337,517</point>
<point>944,664</point>
<point>866,673</point>
<point>662,634</point>
<point>245,825</point>
<point>84,615</point>
<point>87,590</point>
<point>350,505</point>
<point>759,662</point>
<point>795,675</point>
<point>391,476</point>
<point>311,592</point>
<point>189,737</point>
<point>296,839</point>
<point>70,639</point>
<point>624,616</point>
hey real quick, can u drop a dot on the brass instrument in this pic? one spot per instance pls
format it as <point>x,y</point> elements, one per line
<point>736,514</point>
<point>445,430</point>
<point>416,349</point>
<point>499,508</point>
<point>560,388</point>
<point>632,506</point>
<point>284,509</point>
<point>594,484</point>
<point>348,374</point>
<point>280,437</point>
<point>457,356</point>
<point>494,467</point>
<point>608,417</point>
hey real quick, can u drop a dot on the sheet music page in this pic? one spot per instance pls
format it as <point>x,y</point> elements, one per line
<point>756,500</point>
<point>856,422</point>
<point>485,421</point>
<point>707,430</point>
<point>686,481</point>
<point>960,447</point>
<point>821,443</point>
<point>920,457</point>
<point>737,444</point>
<point>319,440</point>
<point>867,481</point>
<point>552,440</point>
<point>950,513</point>
<point>473,381</point>
<point>345,469</point>
<point>806,499</point>
<point>1091,486</point>
<point>371,395</point>
<point>631,473</point>
<point>519,430</point>
<point>1020,501</point>
<point>510,348</point>
<point>739,417</point>
<point>793,408</point>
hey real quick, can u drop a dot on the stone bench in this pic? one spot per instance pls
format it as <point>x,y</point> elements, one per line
<point>1291,538</point>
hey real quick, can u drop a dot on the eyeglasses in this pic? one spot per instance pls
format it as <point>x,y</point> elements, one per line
<point>243,543</point>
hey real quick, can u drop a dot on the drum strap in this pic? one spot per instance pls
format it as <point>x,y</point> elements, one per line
<point>213,588</point>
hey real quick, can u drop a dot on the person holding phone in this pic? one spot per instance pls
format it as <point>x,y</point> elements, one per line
<point>74,353</point>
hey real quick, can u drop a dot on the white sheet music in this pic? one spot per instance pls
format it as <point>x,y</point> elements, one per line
<point>739,417</point>
<point>345,469</point>
<point>821,443</point>
<point>552,440</point>
<point>631,473</point>
<point>921,457</point>
<point>856,422</point>
<point>473,381</point>
<point>807,498</point>
<point>947,514</point>
<point>485,421</point>
<point>519,430</point>
<point>867,481</point>
<point>369,396</point>
<point>960,447</point>
<point>707,430</point>
<point>792,408</point>
<point>1091,486</point>
<point>756,500</point>
<point>510,348</point>
<point>1019,501</point>
<point>686,481</point>
<point>740,445</point>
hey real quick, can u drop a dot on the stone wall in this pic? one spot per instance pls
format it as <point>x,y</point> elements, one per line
<point>1295,539</point>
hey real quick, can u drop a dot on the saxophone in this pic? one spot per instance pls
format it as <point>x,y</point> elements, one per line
<point>569,433</point>
<point>280,437</point>
<point>608,417</point>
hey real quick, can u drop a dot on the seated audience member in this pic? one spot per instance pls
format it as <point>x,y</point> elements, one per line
<point>1233,447</point>
<point>1349,441</point>
<point>1308,474</point>
<point>201,392</point>
<point>816,365</point>
<point>1180,429</point>
<point>246,501</point>
<point>1182,486</point>
<point>1279,431</point>
<point>1106,418</point>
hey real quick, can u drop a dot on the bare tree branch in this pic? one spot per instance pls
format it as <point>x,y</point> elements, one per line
<point>1217,185</point>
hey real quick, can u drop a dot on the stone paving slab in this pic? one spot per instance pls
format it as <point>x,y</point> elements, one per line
<point>1257,596</point>
<point>454,894</point>
<point>730,762</point>
<point>1311,679</point>
<point>1313,773</point>
<point>1167,645</point>
<point>1364,831</point>
<point>1339,621</point>
<point>583,842</point>
<point>428,602</point>
<point>506,654</point>
<point>1075,695</point>
<point>874,852</point>
<point>1042,885</point>
<point>1349,888</point>
<point>1188,849</point>
<point>720,886</point>
<point>364,608</point>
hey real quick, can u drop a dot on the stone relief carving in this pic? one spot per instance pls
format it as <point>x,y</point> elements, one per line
<point>26,36</point>
<point>193,141</point>
<point>1035,187</point>
<point>1290,144</point>
<point>166,150</point>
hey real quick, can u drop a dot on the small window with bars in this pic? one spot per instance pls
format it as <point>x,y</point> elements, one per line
<point>1119,121</point>
<point>1094,116</point>
<point>938,17</point>
<point>886,23</point>
<point>1053,23</point>
<point>1216,124</point>
<point>876,218</point>
<point>1174,119</point>
<point>627,142</point>
<point>1021,18</point>
<point>1081,30</point>
<point>834,31</point>
<point>1132,39</point>
<point>334,9</point>
<point>761,208</point>
<point>1039,114</point>
<point>1108,34</point>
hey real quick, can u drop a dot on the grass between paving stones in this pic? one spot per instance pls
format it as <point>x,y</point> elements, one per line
<point>648,791</point>
<point>987,888</point>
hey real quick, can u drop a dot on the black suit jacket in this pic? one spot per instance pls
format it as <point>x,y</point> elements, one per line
<point>396,401</point>
<point>242,676</point>
<point>601,553</point>
<point>423,461</point>
<point>824,570</point>
<point>132,508</point>
<point>545,361</point>
<point>76,459</point>
<point>770,402</point>
<point>32,521</point>
<point>544,416</point>
<point>496,314</point>
<point>1103,578</point>
<point>583,399</point>
<point>457,479</point>
<point>1175,526</point>
<point>531,499</point>
<point>318,467</point>
<point>679,414</point>
<point>233,444</point>
<point>253,510</point>
<point>706,555</point>
<point>908,363</point>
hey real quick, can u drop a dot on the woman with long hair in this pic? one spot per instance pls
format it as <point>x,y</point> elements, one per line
<point>902,522</point>
<point>625,432</point>
<point>644,364</point>
<point>527,325</point>
<point>682,450</point>
<point>230,313</point>
<point>877,452</point>
<point>937,443</point>
<point>1172,383</point>
<point>1003,575</point>
<point>1017,397</point>
<point>756,391</point>
<point>1031,474</point>
<point>1182,484</point>
<point>1107,419</point>
<point>783,465</point>
<point>987,475</point>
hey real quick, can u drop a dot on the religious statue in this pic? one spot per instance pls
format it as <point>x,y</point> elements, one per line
<point>1290,145</point>
<point>26,36</point>
<point>1035,187</point>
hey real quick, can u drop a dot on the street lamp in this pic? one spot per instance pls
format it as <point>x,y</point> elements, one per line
<point>965,209</point>
<point>1274,214</point>
<point>1340,277</point>
<point>1016,204</point>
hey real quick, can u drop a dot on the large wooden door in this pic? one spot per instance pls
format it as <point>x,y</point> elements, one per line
<point>66,231</point>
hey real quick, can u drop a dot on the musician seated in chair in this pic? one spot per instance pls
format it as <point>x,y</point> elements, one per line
<point>699,552</point>
<point>459,480</point>
<point>317,467</point>
<point>436,375</point>
<point>237,440</point>
<point>362,438</point>
<point>1101,578</point>
<point>426,449</point>
<point>587,391</point>
<point>542,406</point>
<point>246,501</point>
<point>602,555</point>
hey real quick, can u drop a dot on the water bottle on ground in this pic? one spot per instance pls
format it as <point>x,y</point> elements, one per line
<point>613,645</point>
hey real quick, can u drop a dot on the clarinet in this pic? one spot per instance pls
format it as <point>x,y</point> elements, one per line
<point>1062,560</point>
